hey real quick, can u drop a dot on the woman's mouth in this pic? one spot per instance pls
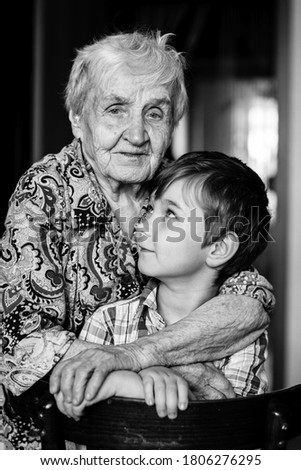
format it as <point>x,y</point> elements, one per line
<point>145,250</point>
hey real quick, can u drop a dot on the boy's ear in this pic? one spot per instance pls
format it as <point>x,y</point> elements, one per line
<point>222,251</point>
<point>75,124</point>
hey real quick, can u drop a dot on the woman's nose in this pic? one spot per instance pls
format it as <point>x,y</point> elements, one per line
<point>141,232</point>
<point>142,225</point>
<point>136,132</point>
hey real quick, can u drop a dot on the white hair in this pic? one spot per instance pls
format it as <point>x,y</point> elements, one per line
<point>145,54</point>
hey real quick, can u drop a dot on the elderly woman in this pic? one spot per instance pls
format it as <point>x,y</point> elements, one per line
<point>68,246</point>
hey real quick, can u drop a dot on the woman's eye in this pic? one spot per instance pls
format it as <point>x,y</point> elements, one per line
<point>115,110</point>
<point>155,114</point>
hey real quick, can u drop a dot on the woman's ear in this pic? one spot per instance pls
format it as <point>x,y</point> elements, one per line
<point>75,124</point>
<point>222,251</point>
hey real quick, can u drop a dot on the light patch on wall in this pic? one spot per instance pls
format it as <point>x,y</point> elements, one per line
<point>263,143</point>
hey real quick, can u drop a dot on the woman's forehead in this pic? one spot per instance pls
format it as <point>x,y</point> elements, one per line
<point>126,85</point>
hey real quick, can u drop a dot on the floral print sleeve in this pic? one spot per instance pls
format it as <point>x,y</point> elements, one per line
<point>33,299</point>
<point>251,284</point>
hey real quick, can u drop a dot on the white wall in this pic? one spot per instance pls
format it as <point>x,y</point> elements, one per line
<point>293,281</point>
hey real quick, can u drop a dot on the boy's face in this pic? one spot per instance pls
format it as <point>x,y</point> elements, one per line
<point>170,237</point>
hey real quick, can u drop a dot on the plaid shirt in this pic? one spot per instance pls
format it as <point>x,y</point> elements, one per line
<point>127,320</point>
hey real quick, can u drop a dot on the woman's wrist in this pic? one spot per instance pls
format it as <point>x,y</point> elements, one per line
<point>140,354</point>
<point>78,346</point>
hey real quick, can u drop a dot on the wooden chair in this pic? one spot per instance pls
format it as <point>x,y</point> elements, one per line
<point>260,422</point>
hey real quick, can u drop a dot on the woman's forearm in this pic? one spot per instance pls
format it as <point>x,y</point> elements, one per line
<point>217,329</point>
<point>78,346</point>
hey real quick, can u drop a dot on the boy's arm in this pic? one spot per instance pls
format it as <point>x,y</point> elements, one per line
<point>121,383</point>
<point>165,388</point>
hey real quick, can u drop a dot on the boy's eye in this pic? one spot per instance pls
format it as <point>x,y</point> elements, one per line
<point>170,214</point>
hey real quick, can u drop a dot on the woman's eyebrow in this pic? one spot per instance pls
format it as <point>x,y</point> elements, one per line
<point>160,101</point>
<point>116,99</point>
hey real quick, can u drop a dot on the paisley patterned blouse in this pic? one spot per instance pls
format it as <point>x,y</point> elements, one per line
<point>63,256</point>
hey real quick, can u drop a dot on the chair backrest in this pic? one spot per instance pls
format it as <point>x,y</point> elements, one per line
<point>260,422</point>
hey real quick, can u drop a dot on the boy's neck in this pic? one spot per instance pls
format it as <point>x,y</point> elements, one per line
<point>176,300</point>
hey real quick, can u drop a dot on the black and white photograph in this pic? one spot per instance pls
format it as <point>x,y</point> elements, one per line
<point>150,265</point>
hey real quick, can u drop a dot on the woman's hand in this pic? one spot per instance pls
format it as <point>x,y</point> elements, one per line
<point>82,371</point>
<point>121,383</point>
<point>71,411</point>
<point>206,381</point>
<point>166,389</point>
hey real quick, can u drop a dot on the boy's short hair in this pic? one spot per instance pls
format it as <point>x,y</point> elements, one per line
<point>233,198</point>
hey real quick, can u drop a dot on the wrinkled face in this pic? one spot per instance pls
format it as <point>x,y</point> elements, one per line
<point>170,237</point>
<point>126,132</point>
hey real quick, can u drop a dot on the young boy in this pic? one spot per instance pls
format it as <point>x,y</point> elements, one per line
<point>207,220</point>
